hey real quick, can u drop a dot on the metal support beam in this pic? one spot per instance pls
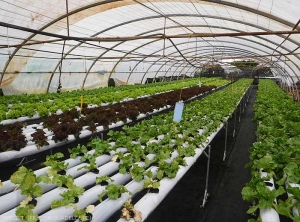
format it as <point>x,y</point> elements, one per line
<point>155,36</point>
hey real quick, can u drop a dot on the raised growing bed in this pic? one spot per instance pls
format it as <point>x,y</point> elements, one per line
<point>30,108</point>
<point>277,154</point>
<point>98,119</point>
<point>152,150</point>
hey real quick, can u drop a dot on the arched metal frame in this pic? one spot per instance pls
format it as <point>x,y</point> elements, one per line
<point>212,27</point>
<point>234,5</point>
<point>145,33</point>
<point>123,42</point>
<point>219,46</point>
<point>259,59</point>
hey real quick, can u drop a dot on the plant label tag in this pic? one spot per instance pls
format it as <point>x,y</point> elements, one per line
<point>200,84</point>
<point>178,112</point>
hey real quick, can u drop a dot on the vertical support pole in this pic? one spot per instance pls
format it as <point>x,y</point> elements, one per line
<point>242,104</point>
<point>206,194</point>
<point>164,37</point>
<point>225,146</point>
<point>67,9</point>
<point>234,122</point>
<point>250,90</point>
<point>240,113</point>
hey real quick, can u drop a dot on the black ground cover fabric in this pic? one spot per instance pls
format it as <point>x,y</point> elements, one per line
<point>226,180</point>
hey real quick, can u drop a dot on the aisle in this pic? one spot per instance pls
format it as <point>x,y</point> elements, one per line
<point>225,182</point>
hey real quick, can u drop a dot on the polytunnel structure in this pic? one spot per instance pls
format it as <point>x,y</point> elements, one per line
<point>83,44</point>
<point>150,110</point>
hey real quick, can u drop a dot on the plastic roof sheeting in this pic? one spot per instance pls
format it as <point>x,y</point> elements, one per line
<point>31,63</point>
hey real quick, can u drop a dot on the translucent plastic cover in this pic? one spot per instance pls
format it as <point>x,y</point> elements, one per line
<point>35,53</point>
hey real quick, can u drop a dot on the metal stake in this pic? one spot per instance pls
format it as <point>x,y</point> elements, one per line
<point>225,146</point>
<point>240,113</point>
<point>206,194</point>
<point>25,161</point>
<point>250,90</point>
<point>234,123</point>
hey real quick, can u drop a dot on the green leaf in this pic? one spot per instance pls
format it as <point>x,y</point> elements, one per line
<point>44,179</point>
<point>293,172</point>
<point>266,163</point>
<point>248,194</point>
<point>113,191</point>
<point>156,185</point>
<point>29,180</point>
<point>279,192</point>
<point>297,218</point>
<point>265,203</point>
<point>137,172</point>
<point>19,175</point>
<point>103,178</point>
<point>25,214</point>
<point>37,191</point>
<point>281,182</point>
<point>284,207</point>
<point>160,174</point>
<point>81,214</point>
<point>295,191</point>
<point>252,209</point>
<point>122,170</point>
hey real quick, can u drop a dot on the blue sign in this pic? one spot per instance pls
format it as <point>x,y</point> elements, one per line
<point>101,72</point>
<point>178,112</point>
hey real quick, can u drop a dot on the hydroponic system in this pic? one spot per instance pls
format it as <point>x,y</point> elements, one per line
<point>141,110</point>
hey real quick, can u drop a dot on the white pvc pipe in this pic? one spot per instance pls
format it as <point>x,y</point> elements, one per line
<point>150,201</point>
<point>44,202</point>
<point>92,195</point>
<point>13,199</point>
<point>269,215</point>
<point>104,210</point>
<point>287,183</point>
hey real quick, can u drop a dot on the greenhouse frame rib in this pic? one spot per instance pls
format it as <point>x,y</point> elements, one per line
<point>175,19</point>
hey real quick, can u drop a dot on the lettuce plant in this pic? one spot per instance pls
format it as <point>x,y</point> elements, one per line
<point>113,191</point>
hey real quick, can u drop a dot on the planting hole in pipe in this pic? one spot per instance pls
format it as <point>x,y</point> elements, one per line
<point>269,184</point>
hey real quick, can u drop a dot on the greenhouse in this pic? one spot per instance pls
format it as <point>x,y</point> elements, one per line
<point>155,111</point>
